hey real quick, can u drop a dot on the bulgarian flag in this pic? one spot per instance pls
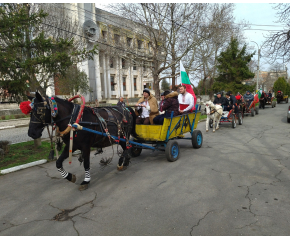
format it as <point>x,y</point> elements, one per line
<point>257,95</point>
<point>185,81</point>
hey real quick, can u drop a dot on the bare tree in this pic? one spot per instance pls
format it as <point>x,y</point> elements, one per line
<point>278,43</point>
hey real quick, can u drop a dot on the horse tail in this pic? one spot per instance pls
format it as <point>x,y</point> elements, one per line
<point>133,132</point>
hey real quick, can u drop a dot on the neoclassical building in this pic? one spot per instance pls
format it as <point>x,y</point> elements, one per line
<point>122,65</point>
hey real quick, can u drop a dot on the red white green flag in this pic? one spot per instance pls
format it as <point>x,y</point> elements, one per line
<point>258,95</point>
<point>186,82</point>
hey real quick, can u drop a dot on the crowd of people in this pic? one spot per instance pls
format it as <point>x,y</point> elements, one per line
<point>148,110</point>
<point>230,102</point>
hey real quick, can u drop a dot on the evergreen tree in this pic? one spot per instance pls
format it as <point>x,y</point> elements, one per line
<point>233,69</point>
<point>26,54</point>
<point>281,85</point>
<point>164,85</point>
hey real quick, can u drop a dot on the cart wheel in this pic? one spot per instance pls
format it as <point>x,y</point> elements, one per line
<point>260,106</point>
<point>135,151</point>
<point>257,111</point>
<point>210,123</point>
<point>196,139</point>
<point>286,100</point>
<point>252,112</point>
<point>234,122</point>
<point>273,104</point>
<point>172,151</point>
<point>240,119</point>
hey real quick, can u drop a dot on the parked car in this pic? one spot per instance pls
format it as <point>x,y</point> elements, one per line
<point>288,114</point>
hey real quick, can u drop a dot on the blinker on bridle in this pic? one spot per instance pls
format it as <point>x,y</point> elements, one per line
<point>40,110</point>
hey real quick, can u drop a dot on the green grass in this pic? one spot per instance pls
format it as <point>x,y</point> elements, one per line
<point>8,117</point>
<point>22,153</point>
<point>202,117</point>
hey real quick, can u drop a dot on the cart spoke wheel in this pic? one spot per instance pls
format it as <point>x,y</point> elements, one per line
<point>172,151</point>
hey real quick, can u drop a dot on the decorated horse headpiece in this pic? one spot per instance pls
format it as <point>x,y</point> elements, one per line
<point>40,107</point>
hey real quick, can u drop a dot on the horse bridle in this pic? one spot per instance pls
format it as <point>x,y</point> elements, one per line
<point>40,110</point>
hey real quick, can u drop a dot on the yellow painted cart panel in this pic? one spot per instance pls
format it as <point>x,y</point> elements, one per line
<point>159,132</point>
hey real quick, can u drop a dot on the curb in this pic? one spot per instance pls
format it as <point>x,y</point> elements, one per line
<point>18,126</point>
<point>27,165</point>
<point>18,119</point>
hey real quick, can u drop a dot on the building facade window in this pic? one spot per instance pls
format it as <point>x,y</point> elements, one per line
<point>112,83</point>
<point>124,83</point>
<point>117,38</point>
<point>104,34</point>
<point>139,44</point>
<point>111,63</point>
<point>134,66</point>
<point>144,68</point>
<point>135,84</point>
<point>129,41</point>
<point>123,63</point>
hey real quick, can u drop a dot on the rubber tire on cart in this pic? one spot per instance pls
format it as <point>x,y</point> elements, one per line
<point>252,112</point>
<point>234,122</point>
<point>196,139</point>
<point>240,119</point>
<point>172,151</point>
<point>135,151</point>
<point>210,123</point>
<point>286,100</point>
<point>273,104</point>
<point>288,120</point>
<point>257,111</point>
<point>260,106</point>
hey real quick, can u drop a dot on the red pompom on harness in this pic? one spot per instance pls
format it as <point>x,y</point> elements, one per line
<point>25,107</point>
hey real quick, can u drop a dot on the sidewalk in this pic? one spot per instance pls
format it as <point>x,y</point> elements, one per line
<point>14,123</point>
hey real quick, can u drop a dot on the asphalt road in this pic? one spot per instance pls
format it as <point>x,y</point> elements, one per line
<point>236,184</point>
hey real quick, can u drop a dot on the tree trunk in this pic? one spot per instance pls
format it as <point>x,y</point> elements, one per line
<point>156,86</point>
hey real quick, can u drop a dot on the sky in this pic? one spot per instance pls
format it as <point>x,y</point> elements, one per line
<point>253,13</point>
<point>259,14</point>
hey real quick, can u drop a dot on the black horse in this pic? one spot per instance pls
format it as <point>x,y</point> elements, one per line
<point>117,120</point>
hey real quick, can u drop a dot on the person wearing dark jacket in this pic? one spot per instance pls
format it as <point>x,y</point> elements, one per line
<point>170,104</point>
<point>121,102</point>
<point>263,100</point>
<point>219,100</point>
<point>248,97</point>
<point>231,103</point>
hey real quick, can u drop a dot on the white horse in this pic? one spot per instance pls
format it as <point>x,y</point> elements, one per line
<point>213,112</point>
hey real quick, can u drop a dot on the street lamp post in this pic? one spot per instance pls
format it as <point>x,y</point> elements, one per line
<point>258,68</point>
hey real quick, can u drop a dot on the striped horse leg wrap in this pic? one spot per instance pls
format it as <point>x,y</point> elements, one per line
<point>87,175</point>
<point>63,173</point>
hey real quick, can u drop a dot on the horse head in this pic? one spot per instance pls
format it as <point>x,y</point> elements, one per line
<point>40,116</point>
<point>208,105</point>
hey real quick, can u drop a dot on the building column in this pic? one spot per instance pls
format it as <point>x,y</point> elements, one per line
<point>117,77</point>
<point>131,79</point>
<point>119,69</point>
<point>108,77</point>
<point>98,78</point>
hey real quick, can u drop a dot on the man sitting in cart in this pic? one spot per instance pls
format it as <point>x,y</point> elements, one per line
<point>186,101</point>
<point>231,103</point>
<point>219,100</point>
<point>270,94</point>
<point>146,108</point>
<point>248,97</point>
<point>170,104</point>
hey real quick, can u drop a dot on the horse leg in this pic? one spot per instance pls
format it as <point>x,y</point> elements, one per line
<point>206,123</point>
<point>213,123</point>
<point>124,160</point>
<point>64,155</point>
<point>86,155</point>
<point>218,122</point>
